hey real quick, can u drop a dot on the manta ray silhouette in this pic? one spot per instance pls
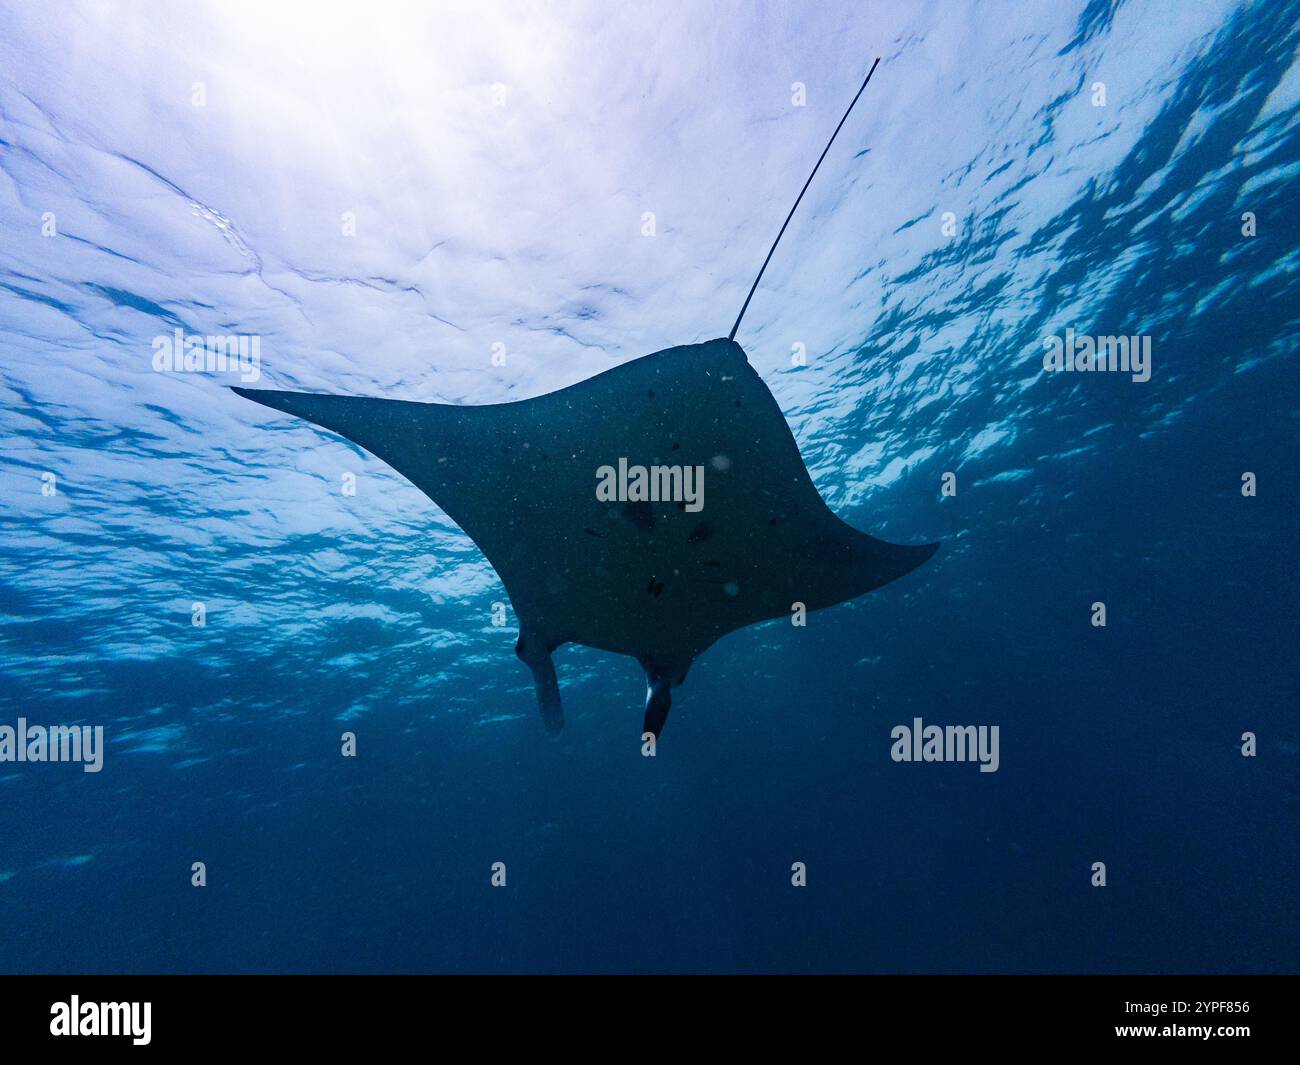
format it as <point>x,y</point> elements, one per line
<point>652,578</point>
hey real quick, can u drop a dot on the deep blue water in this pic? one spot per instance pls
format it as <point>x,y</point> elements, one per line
<point>498,165</point>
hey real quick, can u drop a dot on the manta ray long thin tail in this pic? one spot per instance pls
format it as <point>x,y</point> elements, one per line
<point>754,287</point>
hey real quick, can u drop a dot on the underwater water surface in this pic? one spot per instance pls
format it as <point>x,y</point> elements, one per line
<point>483,203</point>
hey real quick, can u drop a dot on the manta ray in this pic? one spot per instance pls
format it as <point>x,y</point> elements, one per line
<point>635,571</point>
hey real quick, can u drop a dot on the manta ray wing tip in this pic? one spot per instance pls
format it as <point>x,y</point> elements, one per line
<point>922,553</point>
<point>902,559</point>
<point>246,393</point>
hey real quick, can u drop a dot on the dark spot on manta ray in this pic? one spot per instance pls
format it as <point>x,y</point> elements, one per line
<point>531,548</point>
<point>677,447</point>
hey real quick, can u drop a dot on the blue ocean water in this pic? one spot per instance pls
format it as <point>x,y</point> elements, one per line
<point>390,196</point>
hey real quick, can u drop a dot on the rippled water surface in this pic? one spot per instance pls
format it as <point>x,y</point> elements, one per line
<point>387,195</point>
